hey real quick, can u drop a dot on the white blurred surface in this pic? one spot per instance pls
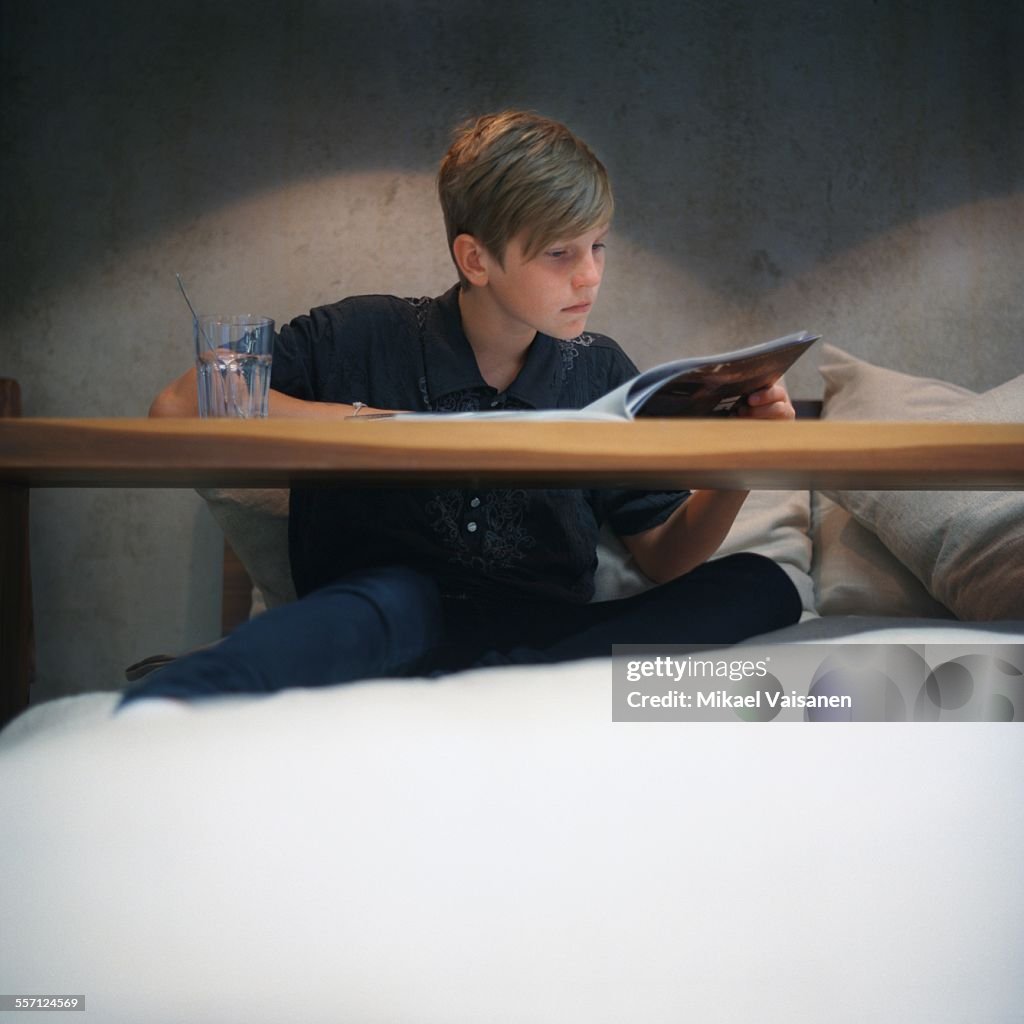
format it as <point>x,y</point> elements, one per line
<point>493,848</point>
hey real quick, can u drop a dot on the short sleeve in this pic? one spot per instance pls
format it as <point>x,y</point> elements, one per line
<point>353,349</point>
<point>291,369</point>
<point>631,512</point>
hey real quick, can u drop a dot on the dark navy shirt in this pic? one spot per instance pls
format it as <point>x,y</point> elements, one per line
<point>412,354</point>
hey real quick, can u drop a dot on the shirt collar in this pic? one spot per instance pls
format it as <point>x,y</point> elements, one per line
<point>451,365</point>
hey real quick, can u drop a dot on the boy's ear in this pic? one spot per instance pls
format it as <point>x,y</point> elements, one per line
<point>471,258</point>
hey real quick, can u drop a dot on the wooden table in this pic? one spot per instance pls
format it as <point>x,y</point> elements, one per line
<point>649,453</point>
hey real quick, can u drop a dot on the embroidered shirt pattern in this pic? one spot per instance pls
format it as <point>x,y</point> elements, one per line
<point>570,352</point>
<point>505,541</point>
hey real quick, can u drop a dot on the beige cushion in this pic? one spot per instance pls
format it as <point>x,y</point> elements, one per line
<point>255,523</point>
<point>965,547</point>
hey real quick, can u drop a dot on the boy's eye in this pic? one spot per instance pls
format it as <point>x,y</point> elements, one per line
<point>562,253</point>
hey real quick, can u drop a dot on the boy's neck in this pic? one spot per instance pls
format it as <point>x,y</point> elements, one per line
<point>499,344</point>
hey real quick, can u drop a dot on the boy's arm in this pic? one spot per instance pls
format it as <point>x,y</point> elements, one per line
<point>690,536</point>
<point>180,398</point>
<point>696,529</point>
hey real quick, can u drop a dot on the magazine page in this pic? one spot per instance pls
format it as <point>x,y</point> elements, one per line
<point>699,386</point>
<point>707,385</point>
<point>522,415</point>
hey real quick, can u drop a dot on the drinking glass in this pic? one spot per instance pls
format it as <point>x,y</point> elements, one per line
<point>233,356</point>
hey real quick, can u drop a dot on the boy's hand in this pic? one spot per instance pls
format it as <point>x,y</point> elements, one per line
<point>770,403</point>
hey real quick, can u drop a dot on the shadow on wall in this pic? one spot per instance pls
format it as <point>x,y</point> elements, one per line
<point>748,142</point>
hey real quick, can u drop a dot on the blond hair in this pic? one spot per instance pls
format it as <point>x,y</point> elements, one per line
<point>517,172</point>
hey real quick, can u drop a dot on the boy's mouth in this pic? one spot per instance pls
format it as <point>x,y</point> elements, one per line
<point>582,307</point>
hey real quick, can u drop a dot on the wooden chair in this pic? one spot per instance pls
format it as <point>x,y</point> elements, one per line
<point>17,637</point>
<point>236,592</point>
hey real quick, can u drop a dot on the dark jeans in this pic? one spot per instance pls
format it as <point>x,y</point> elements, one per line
<point>396,622</point>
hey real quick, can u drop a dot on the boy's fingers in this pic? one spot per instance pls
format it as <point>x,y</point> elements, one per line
<point>770,403</point>
<point>772,393</point>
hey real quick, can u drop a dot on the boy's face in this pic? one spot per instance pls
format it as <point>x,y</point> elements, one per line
<point>554,291</point>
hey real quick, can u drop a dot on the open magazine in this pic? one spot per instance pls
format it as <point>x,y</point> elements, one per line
<point>704,385</point>
<point>701,386</point>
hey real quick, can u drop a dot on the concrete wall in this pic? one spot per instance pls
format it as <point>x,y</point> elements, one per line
<point>851,167</point>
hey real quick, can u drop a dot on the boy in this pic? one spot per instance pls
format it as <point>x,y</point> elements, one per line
<point>403,582</point>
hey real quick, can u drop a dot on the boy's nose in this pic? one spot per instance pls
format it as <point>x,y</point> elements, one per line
<point>588,273</point>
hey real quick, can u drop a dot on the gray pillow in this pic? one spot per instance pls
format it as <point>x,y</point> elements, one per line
<point>856,574</point>
<point>965,547</point>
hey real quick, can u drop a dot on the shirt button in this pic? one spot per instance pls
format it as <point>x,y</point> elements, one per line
<point>475,503</point>
<point>471,527</point>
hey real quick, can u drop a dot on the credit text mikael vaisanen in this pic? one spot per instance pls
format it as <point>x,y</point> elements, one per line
<point>736,670</point>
